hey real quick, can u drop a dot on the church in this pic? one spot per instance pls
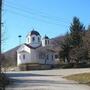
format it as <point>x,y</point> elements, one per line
<point>36,52</point>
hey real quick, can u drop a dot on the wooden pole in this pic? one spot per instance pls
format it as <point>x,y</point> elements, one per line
<point>0,30</point>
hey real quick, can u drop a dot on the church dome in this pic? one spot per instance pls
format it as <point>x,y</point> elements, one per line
<point>33,32</point>
<point>45,37</point>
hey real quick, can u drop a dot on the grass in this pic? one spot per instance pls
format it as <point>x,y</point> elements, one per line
<point>83,78</point>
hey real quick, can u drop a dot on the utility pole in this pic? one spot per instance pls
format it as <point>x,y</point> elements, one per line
<point>0,31</point>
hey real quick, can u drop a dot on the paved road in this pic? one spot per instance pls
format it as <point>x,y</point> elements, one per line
<point>46,80</point>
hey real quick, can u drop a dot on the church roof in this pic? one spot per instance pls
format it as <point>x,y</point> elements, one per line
<point>33,32</point>
<point>31,46</point>
<point>45,37</point>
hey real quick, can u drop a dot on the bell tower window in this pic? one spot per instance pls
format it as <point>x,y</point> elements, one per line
<point>48,41</point>
<point>45,42</point>
<point>28,40</point>
<point>38,39</point>
<point>33,39</point>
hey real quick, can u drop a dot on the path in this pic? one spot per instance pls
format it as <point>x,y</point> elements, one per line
<point>46,80</point>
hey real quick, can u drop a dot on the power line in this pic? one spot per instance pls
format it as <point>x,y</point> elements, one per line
<point>32,13</point>
<point>24,13</point>
<point>28,16</point>
<point>43,14</point>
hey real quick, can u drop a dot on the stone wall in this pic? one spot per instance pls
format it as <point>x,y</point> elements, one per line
<point>34,67</point>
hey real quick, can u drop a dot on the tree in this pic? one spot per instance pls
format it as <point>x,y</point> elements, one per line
<point>66,47</point>
<point>79,55</point>
<point>76,32</point>
<point>73,42</point>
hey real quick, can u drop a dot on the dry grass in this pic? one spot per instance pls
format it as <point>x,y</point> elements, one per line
<point>81,78</point>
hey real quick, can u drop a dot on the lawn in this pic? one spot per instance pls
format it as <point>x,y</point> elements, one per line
<point>83,78</point>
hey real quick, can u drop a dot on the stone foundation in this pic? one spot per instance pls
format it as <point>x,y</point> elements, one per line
<point>27,67</point>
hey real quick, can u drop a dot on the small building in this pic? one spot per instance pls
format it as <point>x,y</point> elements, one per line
<point>36,53</point>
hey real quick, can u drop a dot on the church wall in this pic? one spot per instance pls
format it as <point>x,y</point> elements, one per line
<point>23,48</point>
<point>34,58</point>
<point>23,57</point>
<point>50,59</point>
<point>29,56</point>
<point>35,42</point>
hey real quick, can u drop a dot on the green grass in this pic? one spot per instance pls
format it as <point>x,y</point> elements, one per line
<point>83,78</point>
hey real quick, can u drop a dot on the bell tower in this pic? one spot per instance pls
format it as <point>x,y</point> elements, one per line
<point>33,38</point>
<point>45,41</point>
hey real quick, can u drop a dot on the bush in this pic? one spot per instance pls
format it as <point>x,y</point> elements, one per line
<point>74,65</point>
<point>4,80</point>
<point>67,65</point>
<point>81,65</point>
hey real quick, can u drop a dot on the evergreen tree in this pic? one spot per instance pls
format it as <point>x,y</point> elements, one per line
<point>76,31</point>
<point>65,46</point>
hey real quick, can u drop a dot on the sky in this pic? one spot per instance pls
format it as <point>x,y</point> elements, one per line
<point>50,17</point>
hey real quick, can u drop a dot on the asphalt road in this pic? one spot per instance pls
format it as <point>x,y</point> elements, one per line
<point>45,80</point>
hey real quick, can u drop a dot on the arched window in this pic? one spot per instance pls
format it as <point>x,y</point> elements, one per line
<point>48,41</point>
<point>47,57</point>
<point>56,56</point>
<point>23,56</point>
<point>28,39</point>
<point>45,42</point>
<point>33,39</point>
<point>38,39</point>
<point>52,57</point>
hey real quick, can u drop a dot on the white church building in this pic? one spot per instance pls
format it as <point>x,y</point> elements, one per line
<point>35,53</point>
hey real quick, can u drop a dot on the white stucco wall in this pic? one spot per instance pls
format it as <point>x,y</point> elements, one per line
<point>34,43</point>
<point>32,56</point>
<point>20,59</point>
<point>43,42</point>
<point>51,58</point>
<point>23,50</point>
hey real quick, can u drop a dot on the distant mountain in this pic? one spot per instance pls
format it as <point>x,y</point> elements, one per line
<point>10,56</point>
<point>56,42</point>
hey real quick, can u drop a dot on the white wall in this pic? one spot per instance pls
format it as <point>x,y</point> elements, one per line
<point>50,59</point>
<point>32,56</point>
<point>43,42</point>
<point>20,59</point>
<point>34,43</point>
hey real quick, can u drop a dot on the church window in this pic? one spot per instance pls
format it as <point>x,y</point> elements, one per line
<point>47,57</point>
<point>56,56</point>
<point>52,57</point>
<point>45,42</point>
<point>28,39</point>
<point>23,56</point>
<point>33,39</point>
<point>48,41</point>
<point>38,39</point>
<point>41,55</point>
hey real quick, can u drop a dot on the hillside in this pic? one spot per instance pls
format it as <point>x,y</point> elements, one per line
<point>10,57</point>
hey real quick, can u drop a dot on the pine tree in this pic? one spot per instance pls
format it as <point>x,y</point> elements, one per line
<point>76,30</point>
<point>65,46</point>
